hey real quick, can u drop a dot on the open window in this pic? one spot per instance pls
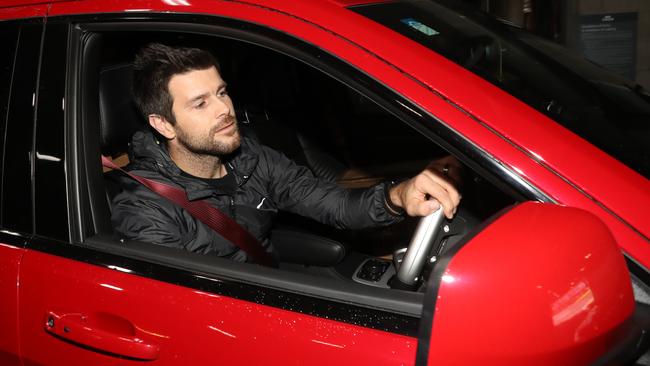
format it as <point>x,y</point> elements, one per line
<point>317,110</point>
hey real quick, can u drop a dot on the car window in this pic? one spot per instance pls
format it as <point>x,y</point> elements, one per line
<point>18,137</point>
<point>51,214</point>
<point>605,109</point>
<point>313,118</point>
<point>8,44</point>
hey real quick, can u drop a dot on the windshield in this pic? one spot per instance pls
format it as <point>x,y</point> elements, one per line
<point>608,110</point>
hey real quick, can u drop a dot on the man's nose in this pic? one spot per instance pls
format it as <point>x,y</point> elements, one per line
<point>222,106</point>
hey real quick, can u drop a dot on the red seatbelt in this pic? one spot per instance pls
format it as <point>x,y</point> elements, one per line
<point>209,215</point>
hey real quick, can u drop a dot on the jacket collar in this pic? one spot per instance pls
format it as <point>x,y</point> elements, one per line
<point>146,152</point>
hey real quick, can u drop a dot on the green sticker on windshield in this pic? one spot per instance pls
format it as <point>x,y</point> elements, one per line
<point>420,27</point>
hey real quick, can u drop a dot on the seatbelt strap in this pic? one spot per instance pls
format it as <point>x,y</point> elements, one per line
<point>208,214</point>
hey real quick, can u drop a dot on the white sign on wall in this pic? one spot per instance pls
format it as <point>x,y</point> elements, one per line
<point>610,41</point>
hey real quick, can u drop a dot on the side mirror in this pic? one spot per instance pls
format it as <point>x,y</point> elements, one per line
<point>540,284</point>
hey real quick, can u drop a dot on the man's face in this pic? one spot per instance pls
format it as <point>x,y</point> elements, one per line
<point>205,116</point>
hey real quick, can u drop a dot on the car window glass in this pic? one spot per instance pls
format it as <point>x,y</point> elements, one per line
<point>8,43</point>
<point>51,215</point>
<point>605,109</point>
<point>17,184</point>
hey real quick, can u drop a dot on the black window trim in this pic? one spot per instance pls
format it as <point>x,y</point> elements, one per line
<point>5,122</point>
<point>10,232</point>
<point>49,185</point>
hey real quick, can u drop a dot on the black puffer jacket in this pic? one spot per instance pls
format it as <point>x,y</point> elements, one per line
<point>267,181</point>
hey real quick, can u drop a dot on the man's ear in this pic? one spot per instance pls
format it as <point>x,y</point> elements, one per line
<point>164,127</point>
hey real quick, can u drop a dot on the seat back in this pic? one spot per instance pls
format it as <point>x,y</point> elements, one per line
<point>119,120</point>
<point>119,116</point>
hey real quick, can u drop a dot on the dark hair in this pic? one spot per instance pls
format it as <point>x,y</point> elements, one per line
<point>154,66</point>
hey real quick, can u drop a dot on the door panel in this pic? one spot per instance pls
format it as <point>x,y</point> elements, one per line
<point>106,311</point>
<point>9,262</point>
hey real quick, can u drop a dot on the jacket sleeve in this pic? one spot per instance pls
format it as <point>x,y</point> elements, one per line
<point>141,215</point>
<point>145,220</point>
<point>294,188</point>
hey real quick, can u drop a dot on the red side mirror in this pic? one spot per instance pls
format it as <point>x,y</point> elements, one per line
<point>539,285</point>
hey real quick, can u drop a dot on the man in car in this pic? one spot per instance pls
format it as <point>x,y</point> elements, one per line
<point>195,143</point>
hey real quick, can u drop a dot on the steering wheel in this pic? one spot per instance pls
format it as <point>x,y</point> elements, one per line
<point>418,250</point>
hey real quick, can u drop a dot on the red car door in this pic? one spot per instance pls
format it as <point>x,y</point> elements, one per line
<point>83,314</point>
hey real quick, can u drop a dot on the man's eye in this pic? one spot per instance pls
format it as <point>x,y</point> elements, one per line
<point>200,105</point>
<point>222,93</point>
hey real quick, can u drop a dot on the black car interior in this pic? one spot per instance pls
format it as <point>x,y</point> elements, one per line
<point>314,119</point>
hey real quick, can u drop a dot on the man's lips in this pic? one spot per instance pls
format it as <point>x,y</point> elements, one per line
<point>230,122</point>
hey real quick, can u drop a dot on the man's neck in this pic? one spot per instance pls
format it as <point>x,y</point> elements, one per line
<point>198,165</point>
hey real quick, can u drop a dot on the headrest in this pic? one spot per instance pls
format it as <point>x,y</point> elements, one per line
<point>119,116</point>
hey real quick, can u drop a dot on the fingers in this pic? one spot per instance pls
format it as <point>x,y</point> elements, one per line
<point>450,188</point>
<point>438,189</point>
<point>450,192</point>
<point>423,208</point>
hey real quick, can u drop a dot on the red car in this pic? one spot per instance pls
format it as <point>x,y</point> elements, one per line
<point>546,262</point>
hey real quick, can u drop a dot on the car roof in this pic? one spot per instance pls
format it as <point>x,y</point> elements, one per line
<point>15,3</point>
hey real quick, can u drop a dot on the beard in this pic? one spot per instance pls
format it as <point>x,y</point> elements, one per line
<point>209,145</point>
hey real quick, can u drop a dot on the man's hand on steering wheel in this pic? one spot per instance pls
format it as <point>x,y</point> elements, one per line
<point>424,193</point>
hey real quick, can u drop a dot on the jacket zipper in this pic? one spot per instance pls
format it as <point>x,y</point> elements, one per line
<point>232,207</point>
